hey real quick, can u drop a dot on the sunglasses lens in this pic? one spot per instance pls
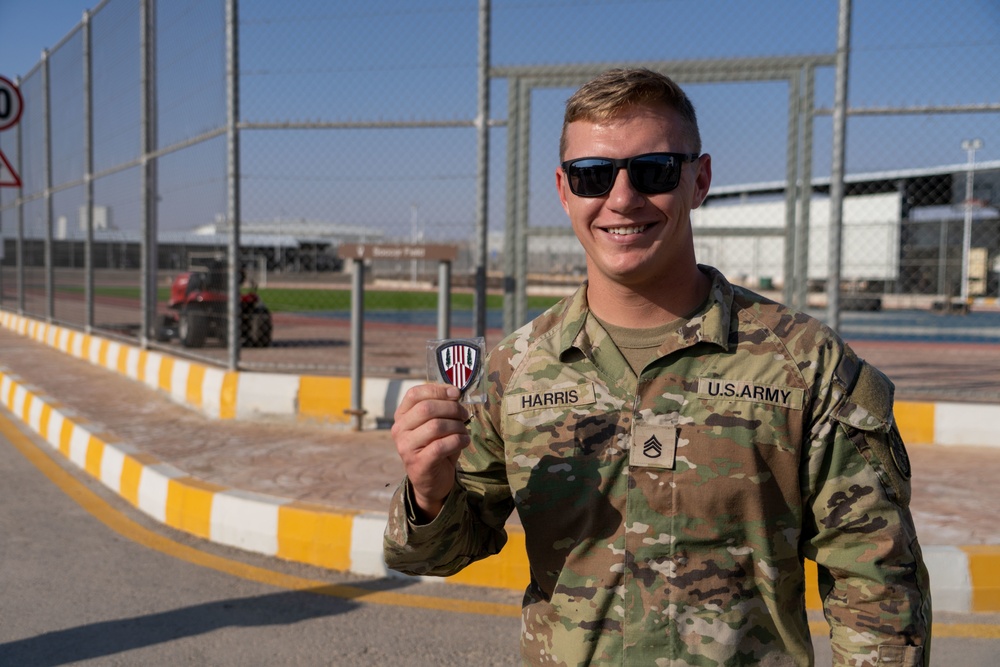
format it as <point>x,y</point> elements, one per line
<point>651,174</point>
<point>591,177</point>
<point>655,174</point>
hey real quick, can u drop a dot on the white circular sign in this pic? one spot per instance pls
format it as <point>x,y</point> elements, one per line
<point>11,103</point>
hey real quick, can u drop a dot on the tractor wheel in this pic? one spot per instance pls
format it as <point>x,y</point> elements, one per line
<point>164,329</point>
<point>257,327</point>
<point>193,327</point>
<point>266,328</point>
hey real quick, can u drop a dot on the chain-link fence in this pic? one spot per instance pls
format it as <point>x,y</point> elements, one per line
<point>170,150</point>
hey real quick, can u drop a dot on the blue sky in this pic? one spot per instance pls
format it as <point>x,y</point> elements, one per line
<point>395,59</point>
<point>28,26</point>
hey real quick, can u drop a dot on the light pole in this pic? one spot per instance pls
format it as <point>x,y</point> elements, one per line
<point>970,146</point>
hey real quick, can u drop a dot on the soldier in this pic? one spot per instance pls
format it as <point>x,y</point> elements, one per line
<point>674,445</point>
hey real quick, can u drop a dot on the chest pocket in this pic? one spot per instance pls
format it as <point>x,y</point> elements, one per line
<point>561,420</point>
<point>737,460</point>
<point>542,420</point>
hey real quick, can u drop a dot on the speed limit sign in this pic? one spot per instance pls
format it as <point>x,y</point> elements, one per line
<point>11,103</point>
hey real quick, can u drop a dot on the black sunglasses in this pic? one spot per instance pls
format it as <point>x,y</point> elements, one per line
<point>650,173</point>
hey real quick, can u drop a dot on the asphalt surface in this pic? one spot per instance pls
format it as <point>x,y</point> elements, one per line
<point>86,582</point>
<point>953,487</point>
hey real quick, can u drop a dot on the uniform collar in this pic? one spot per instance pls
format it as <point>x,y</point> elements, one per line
<point>710,324</point>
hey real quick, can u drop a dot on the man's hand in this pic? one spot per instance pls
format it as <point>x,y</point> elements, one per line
<point>429,432</point>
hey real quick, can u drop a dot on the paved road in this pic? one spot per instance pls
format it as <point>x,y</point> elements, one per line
<point>88,581</point>
<point>76,590</point>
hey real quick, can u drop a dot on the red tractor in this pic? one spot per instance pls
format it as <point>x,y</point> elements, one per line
<point>198,309</point>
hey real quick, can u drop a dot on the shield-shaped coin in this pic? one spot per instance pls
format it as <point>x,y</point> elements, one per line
<point>459,363</point>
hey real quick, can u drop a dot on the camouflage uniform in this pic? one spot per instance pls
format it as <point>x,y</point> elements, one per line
<point>667,516</point>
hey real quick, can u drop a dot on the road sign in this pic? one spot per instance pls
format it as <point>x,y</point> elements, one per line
<point>8,177</point>
<point>11,104</point>
<point>439,251</point>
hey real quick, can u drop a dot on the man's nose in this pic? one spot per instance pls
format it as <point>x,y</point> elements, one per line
<point>623,194</point>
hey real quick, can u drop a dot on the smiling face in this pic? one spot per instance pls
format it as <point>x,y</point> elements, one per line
<point>638,241</point>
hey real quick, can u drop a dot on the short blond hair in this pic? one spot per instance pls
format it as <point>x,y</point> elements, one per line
<point>611,93</point>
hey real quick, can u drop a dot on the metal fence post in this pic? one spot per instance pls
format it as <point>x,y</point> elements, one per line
<point>521,230</point>
<point>88,176</point>
<point>357,341</point>
<point>792,184</point>
<point>482,169</point>
<point>970,146</point>
<point>942,267</point>
<point>805,194</point>
<point>19,252</point>
<point>514,129</point>
<point>233,181</point>
<point>444,301</point>
<point>147,123</point>
<point>837,169</point>
<point>50,284</point>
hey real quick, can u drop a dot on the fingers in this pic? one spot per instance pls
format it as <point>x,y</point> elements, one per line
<point>426,403</point>
<point>429,431</point>
<point>426,392</point>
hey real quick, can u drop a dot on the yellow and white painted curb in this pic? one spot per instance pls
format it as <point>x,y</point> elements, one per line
<point>219,393</point>
<point>963,578</point>
<point>297,531</point>
<point>314,534</point>
<point>245,395</point>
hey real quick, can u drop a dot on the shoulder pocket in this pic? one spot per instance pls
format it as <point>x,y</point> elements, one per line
<point>866,415</point>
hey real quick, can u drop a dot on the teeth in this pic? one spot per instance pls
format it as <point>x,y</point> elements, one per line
<point>626,231</point>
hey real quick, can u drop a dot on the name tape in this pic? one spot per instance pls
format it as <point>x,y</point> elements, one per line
<point>564,397</point>
<point>741,390</point>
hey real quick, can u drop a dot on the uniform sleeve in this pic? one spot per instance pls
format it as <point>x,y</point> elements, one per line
<point>873,581</point>
<point>470,526</point>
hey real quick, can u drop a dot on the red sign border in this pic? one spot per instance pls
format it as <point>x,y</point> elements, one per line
<point>20,105</point>
<point>17,179</point>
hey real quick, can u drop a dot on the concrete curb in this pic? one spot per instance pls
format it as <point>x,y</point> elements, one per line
<point>963,579</point>
<point>222,394</point>
<point>314,534</point>
<point>218,393</point>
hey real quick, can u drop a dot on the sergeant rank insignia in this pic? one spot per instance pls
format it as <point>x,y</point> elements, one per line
<point>654,446</point>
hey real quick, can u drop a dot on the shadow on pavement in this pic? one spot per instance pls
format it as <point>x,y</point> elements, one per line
<point>107,638</point>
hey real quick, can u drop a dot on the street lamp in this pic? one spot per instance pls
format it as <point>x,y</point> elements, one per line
<point>970,146</point>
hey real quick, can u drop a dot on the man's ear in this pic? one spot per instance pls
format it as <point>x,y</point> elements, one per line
<point>562,187</point>
<point>703,180</point>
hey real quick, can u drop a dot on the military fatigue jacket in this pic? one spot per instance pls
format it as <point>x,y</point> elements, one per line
<point>667,515</point>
